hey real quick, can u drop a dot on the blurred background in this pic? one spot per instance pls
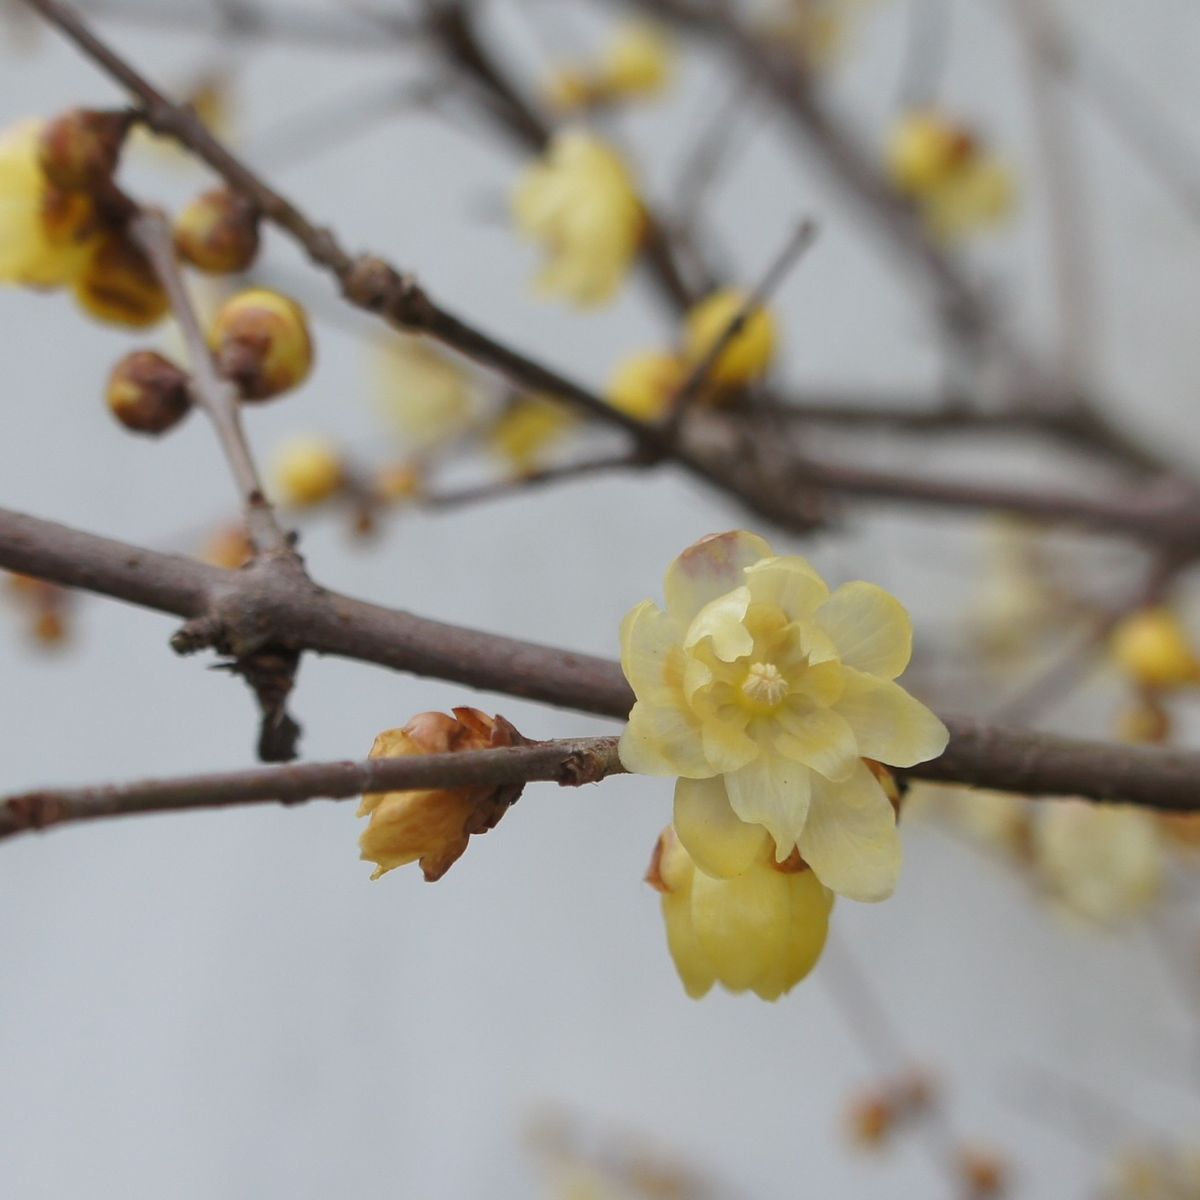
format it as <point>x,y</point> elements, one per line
<point>224,1005</point>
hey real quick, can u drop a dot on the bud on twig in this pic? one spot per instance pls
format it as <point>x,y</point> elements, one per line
<point>218,232</point>
<point>78,151</point>
<point>147,392</point>
<point>261,343</point>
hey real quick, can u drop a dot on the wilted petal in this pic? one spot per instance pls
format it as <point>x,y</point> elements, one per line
<point>708,569</point>
<point>789,582</point>
<point>818,738</point>
<point>870,627</point>
<point>772,791</point>
<point>850,838</point>
<point>890,726</point>
<point>721,844</point>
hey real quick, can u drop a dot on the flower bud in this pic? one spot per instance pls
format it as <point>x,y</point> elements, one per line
<point>637,62</point>
<point>307,471</point>
<point>747,355</point>
<point>925,149</point>
<point>147,392</point>
<point>78,151</point>
<point>261,342</point>
<point>218,232</point>
<point>120,285</point>
<point>644,385</point>
<point>1151,647</point>
<point>432,826</point>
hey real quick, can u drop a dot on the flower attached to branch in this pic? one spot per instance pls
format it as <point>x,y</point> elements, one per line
<point>758,929</point>
<point>261,342</point>
<point>645,385</point>
<point>636,64</point>
<point>308,471</point>
<point>1153,649</point>
<point>527,430</point>
<point>432,826</point>
<point>748,353</point>
<point>764,692</point>
<point>580,204</point>
<point>958,184</point>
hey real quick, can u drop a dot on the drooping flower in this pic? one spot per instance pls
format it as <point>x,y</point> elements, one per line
<point>763,691</point>
<point>761,929</point>
<point>580,203</point>
<point>643,385</point>
<point>748,354</point>
<point>958,184</point>
<point>1102,861</point>
<point>432,826</point>
<point>46,234</point>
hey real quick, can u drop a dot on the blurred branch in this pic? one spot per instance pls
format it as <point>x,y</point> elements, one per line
<point>570,762</point>
<point>239,611</point>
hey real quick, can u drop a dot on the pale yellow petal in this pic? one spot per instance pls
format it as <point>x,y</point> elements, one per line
<point>708,569</point>
<point>870,627</point>
<point>650,654</point>
<point>741,923</point>
<point>727,746</point>
<point>661,739</point>
<point>850,838</point>
<point>688,955</point>
<point>808,926</point>
<point>819,738</point>
<point>720,843</point>
<point>772,791</point>
<point>723,623</point>
<point>889,724</point>
<point>789,583</point>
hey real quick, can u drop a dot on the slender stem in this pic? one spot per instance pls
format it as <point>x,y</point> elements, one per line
<point>569,762</point>
<point>524,483</point>
<point>215,395</point>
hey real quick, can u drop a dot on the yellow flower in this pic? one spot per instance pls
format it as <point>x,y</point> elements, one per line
<point>761,930</point>
<point>1102,861</point>
<point>425,394</point>
<point>764,692</point>
<point>46,235</point>
<point>307,471</point>
<point>529,427</point>
<point>1153,649</point>
<point>956,182</point>
<point>580,203</point>
<point>637,61</point>
<point>747,355</point>
<point>432,826</point>
<point>644,385</point>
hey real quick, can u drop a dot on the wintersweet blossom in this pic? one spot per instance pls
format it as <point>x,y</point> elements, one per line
<point>579,202</point>
<point>46,234</point>
<point>644,385</point>
<point>764,691</point>
<point>1102,861</point>
<point>1152,647</point>
<point>761,929</point>
<point>749,352</point>
<point>527,430</point>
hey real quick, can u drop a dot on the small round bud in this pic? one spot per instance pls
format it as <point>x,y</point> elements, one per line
<point>1152,648</point>
<point>218,232</point>
<point>748,353</point>
<point>261,342</point>
<point>78,151</point>
<point>120,285</point>
<point>644,385</point>
<point>147,392</point>
<point>307,471</point>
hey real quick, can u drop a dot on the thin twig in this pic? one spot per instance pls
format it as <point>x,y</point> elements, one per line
<point>215,395</point>
<point>568,762</point>
<point>565,473</point>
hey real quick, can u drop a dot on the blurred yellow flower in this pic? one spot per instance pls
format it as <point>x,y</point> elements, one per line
<point>760,930</point>
<point>958,184</point>
<point>748,354</point>
<point>637,61</point>
<point>46,234</point>
<point>308,470</point>
<point>528,428</point>
<point>579,202</point>
<point>1152,648</point>
<point>425,394</point>
<point>756,673</point>
<point>644,385</point>
<point>1103,861</point>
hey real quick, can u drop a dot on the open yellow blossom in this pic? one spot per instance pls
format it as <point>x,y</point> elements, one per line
<point>764,692</point>
<point>643,385</point>
<point>1102,861</point>
<point>579,202</point>
<point>528,429</point>
<point>46,234</point>
<point>1153,649</point>
<point>425,394</point>
<point>958,184</point>
<point>760,930</point>
<point>748,354</point>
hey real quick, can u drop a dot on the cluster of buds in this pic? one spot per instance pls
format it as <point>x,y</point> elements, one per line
<point>432,826</point>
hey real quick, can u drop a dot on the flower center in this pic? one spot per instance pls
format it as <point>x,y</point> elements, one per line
<point>764,688</point>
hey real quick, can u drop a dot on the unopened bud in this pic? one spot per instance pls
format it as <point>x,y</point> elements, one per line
<point>218,232</point>
<point>78,151</point>
<point>147,392</point>
<point>120,285</point>
<point>261,342</point>
<point>308,470</point>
